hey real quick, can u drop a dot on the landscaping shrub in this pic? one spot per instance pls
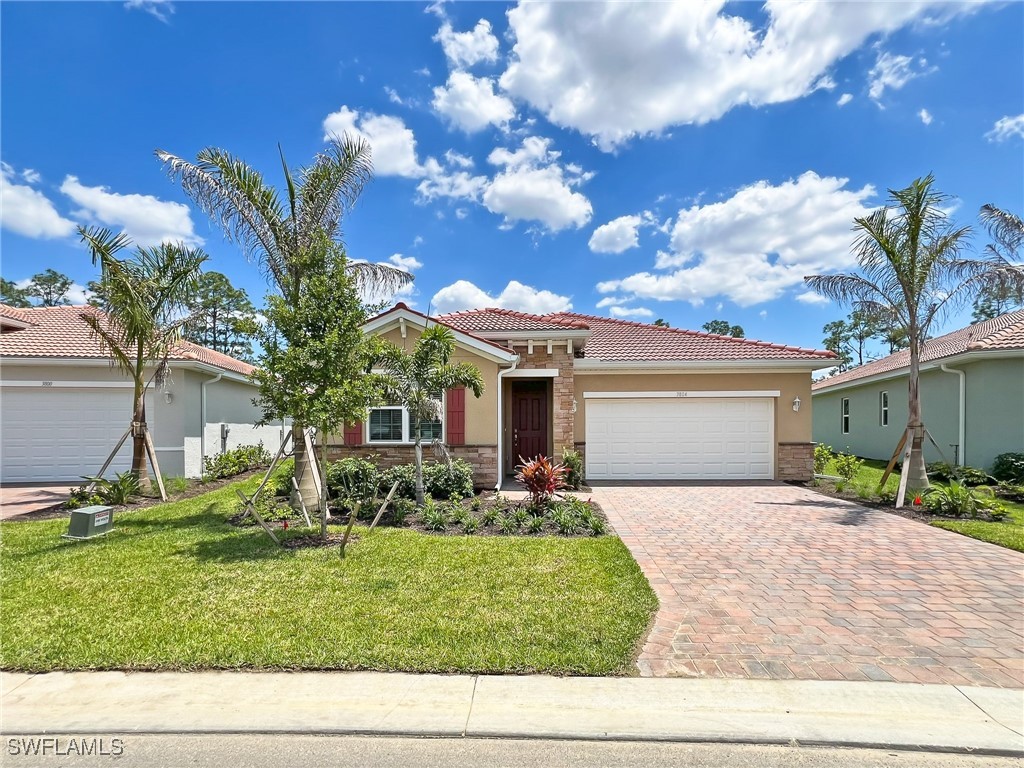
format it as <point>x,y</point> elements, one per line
<point>508,525</point>
<point>535,525</point>
<point>280,482</point>
<point>822,457</point>
<point>81,497</point>
<point>268,508</point>
<point>236,461</point>
<point>942,470</point>
<point>405,476</point>
<point>401,508</point>
<point>1009,467</point>
<point>847,466</point>
<point>957,500</point>
<point>435,516</point>
<point>1011,491</point>
<point>573,462</point>
<point>351,479</point>
<point>542,478</point>
<point>116,492</point>
<point>447,480</point>
<point>470,524</point>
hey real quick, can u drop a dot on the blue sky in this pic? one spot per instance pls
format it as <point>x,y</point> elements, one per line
<point>686,161</point>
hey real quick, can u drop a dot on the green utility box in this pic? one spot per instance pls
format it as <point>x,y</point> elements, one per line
<point>89,522</point>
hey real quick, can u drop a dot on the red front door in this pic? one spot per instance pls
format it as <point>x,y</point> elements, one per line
<point>529,420</point>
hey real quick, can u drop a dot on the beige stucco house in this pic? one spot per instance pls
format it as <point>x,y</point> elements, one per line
<point>641,402</point>
<point>63,406</point>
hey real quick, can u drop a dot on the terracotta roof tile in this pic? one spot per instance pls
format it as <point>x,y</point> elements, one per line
<point>61,332</point>
<point>13,313</point>
<point>494,319</point>
<point>1003,332</point>
<point>625,340</point>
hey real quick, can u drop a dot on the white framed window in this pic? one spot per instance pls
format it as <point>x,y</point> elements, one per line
<point>845,411</point>
<point>883,409</point>
<point>392,424</point>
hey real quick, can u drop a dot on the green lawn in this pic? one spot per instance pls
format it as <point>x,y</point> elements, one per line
<point>175,587</point>
<point>1008,533</point>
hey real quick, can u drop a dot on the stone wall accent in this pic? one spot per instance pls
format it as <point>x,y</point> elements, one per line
<point>563,389</point>
<point>483,458</point>
<point>796,462</point>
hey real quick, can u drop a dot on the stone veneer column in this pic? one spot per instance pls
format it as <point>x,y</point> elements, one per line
<point>796,461</point>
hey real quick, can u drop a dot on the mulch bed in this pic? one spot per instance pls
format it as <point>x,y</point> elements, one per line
<point>910,512</point>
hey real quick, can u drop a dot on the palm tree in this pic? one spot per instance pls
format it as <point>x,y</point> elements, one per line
<point>912,271</point>
<point>144,310</point>
<point>278,234</point>
<point>418,380</point>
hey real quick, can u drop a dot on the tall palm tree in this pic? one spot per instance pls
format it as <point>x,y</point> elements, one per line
<point>419,379</point>
<point>912,270</point>
<point>276,232</point>
<point>144,302</point>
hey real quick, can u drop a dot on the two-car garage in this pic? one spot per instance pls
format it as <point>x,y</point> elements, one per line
<point>680,435</point>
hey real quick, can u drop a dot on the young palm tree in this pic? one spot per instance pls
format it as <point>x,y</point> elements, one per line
<point>144,303</point>
<point>912,271</point>
<point>418,380</point>
<point>277,233</point>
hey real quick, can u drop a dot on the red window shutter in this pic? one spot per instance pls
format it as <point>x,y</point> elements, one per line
<point>455,415</point>
<point>354,433</point>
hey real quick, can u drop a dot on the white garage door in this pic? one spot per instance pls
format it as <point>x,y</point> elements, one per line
<point>61,433</point>
<point>680,439</point>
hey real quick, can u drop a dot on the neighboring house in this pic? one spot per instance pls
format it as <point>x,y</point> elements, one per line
<point>972,397</point>
<point>639,401</point>
<point>63,405</point>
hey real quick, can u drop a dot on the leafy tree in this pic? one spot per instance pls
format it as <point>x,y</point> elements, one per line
<point>315,356</point>
<point>1007,233</point>
<point>223,318</point>
<point>281,234</point>
<point>419,379</point>
<point>911,271</point>
<point>722,328</point>
<point>13,296</point>
<point>49,288</point>
<point>145,302</point>
<point>837,340</point>
<point>660,322</point>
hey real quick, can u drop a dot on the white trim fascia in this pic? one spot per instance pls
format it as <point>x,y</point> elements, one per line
<point>687,394</point>
<point>585,366</point>
<point>932,365</point>
<point>535,336</point>
<point>96,362</point>
<point>158,448</point>
<point>57,384</point>
<point>386,322</point>
<point>527,373</point>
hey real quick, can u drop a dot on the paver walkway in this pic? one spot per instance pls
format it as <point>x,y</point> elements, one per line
<point>21,499</point>
<point>766,580</point>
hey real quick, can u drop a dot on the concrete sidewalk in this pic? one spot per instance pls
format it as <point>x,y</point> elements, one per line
<point>861,714</point>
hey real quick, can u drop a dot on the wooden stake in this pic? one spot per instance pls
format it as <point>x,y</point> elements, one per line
<point>384,506</point>
<point>154,463</point>
<point>351,521</point>
<point>313,465</point>
<point>110,458</point>
<point>302,504</point>
<point>250,509</point>
<point>904,473</point>
<point>892,461</point>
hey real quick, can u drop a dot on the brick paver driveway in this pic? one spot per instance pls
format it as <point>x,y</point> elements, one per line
<point>765,580</point>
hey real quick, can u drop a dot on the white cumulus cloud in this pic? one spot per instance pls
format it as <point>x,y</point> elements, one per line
<point>1006,127</point>
<point>463,294</point>
<point>533,186</point>
<point>617,70</point>
<point>845,99</point>
<point>893,72</point>
<point>620,311</point>
<point>468,48</point>
<point>146,219</point>
<point>755,245</point>
<point>810,297</point>
<point>393,145</point>
<point>619,234</point>
<point>471,104</point>
<point>408,263</point>
<point>926,116</point>
<point>28,211</point>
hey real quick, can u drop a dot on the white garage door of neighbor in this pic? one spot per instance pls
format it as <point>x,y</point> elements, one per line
<point>60,434</point>
<point>680,439</point>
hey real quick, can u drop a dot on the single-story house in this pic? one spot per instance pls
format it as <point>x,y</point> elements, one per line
<point>972,397</point>
<point>639,401</point>
<point>63,405</point>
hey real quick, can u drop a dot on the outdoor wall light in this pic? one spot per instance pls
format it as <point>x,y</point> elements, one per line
<point>168,397</point>
<point>573,406</point>
<point>796,403</point>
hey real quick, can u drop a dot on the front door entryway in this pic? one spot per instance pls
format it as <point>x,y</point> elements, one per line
<point>529,420</point>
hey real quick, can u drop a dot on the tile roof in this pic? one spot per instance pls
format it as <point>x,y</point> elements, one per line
<point>625,340</point>
<point>441,320</point>
<point>1005,332</point>
<point>494,319</point>
<point>12,313</point>
<point>61,332</point>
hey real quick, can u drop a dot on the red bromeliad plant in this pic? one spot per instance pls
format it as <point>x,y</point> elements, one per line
<point>542,478</point>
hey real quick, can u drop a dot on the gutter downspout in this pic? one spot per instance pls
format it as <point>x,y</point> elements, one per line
<point>501,423</point>
<point>202,416</point>
<point>963,408</point>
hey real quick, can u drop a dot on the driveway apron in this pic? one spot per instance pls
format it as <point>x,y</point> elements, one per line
<point>767,580</point>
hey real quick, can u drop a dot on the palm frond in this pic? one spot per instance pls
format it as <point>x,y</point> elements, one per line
<point>378,280</point>
<point>333,183</point>
<point>237,198</point>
